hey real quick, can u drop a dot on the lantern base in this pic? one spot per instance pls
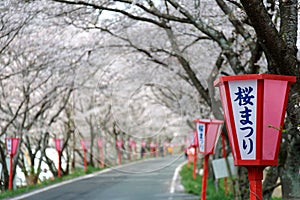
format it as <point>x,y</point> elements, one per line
<point>257,162</point>
<point>255,176</point>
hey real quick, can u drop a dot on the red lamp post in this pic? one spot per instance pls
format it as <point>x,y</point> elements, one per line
<point>133,148</point>
<point>191,144</point>
<point>59,145</point>
<point>119,147</point>
<point>100,146</point>
<point>11,148</point>
<point>254,115</point>
<point>195,145</point>
<point>208,131</point>
<point>192,155</point>
<point>84,147</point>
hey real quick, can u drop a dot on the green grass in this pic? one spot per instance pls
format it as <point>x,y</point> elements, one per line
<point>76,173</point>
<point>194,186</point>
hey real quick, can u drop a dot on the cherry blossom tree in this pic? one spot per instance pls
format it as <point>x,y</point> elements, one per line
<point>254,41</point>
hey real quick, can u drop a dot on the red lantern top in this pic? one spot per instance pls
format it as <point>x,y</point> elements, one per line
<point>119,144</point>
<point>11,145</point>
<point>207,131</point>
<point>99,141</point>
<point>192,140</point>
<point>58,144</point>
<point>152,145</point>
<point>132,144</point>
<point>84,145</point>
<point>254,107</point>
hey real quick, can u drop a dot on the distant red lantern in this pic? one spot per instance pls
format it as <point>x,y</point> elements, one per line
<point>11,148</point>
<point>120,144</point>
<point>84,146</point>
<point>119,149</point>
<point>207,133</point>
<point>59,145</point>
<point>254,115</point>
<point>100,146</point>
<point>99,141</point>
<point>192,151</point>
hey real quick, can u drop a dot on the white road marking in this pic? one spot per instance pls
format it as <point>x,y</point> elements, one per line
<point>176,173</point>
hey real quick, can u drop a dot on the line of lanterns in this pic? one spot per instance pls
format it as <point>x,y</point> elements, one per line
<point>254,115</point>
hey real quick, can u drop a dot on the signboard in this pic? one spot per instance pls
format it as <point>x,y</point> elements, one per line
<point>220,167</point>
<point>243,95</point>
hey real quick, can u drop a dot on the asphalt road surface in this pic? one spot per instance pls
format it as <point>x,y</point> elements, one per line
<point>144,180</point>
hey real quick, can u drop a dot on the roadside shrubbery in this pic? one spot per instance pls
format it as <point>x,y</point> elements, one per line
<point>195,186</point>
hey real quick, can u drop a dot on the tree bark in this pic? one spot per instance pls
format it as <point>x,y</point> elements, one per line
<point>274,46</point>
<point>280,49</point>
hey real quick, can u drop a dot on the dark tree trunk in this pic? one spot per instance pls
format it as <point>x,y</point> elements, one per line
<point>290,177</point>
<point>243,182</point>
<point>270,182</point>
<point>280,50</point>
<point>4,168</point>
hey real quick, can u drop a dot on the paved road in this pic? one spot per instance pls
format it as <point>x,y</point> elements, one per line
<point>145,180</point>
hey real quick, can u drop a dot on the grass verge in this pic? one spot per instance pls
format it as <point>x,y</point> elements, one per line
<point>76,173</point>
<point>194,186</point>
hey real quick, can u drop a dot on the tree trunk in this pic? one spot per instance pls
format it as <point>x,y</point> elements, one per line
<point>290,177</point>
<point>31,179</point>
<point>243,182</point>
<point>270,182</point>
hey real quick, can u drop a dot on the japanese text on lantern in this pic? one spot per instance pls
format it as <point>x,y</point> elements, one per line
<point>9,146</point>
<point>243,97</point>
<point>201,136</point>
